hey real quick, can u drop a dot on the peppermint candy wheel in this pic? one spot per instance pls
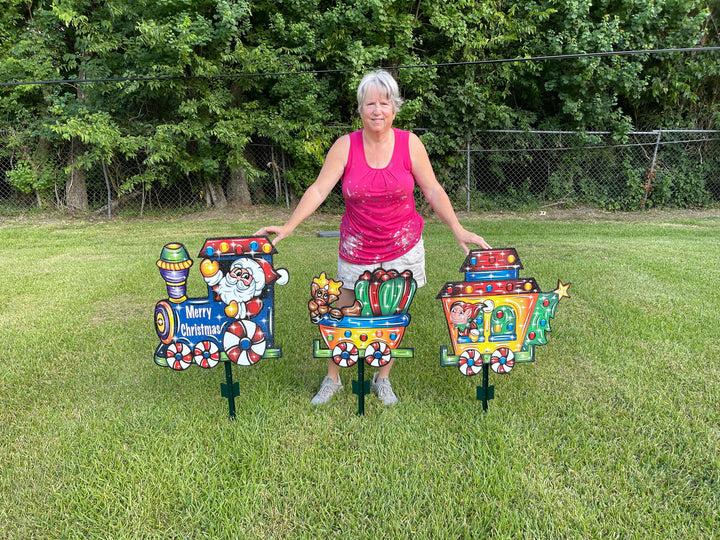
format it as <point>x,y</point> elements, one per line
<point>206,353</point>
<point>244,342</point>
<point>378,354</point>
<point>345,354</point>
<point>470,362</point>
<point>502,360</point>
<point>179,355</point>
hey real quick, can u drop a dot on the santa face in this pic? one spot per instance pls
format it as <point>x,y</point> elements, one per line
<point>240,274</point>
<point>244,281</point>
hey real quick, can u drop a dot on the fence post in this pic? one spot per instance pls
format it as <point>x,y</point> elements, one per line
<point>468,175</point>
<point>651,173</point>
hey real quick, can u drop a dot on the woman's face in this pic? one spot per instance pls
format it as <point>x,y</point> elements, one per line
<point>377,110</point>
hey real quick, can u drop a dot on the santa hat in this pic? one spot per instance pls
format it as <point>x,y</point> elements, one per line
<point>279,276</point>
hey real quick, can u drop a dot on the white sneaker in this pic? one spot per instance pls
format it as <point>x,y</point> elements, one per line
<point>382,387</point>
<point>328,387</point>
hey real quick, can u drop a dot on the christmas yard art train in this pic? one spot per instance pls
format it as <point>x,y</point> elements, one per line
<point>495,318</point>
<point>235,323</point>
<point>369,331</point>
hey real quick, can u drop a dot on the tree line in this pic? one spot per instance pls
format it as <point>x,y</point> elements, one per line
<point>182,87</point>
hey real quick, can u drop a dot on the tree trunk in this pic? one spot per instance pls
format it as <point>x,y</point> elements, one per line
<point>214,195</point>
<point>75,188</point>
<point>238,192</point>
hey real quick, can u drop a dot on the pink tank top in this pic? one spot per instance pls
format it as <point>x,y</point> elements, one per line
<point>380,221</point>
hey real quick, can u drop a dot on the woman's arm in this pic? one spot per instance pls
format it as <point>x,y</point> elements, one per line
<point>332,170</point>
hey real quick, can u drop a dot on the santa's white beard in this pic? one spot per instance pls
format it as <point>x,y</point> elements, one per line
<point>231,289</point>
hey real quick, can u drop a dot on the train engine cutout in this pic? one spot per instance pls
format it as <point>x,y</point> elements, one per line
<point>235,322</point>
<point>495,318</point>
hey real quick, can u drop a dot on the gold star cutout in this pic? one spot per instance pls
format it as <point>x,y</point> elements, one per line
<point>321,281</point>
<point>562,289</point>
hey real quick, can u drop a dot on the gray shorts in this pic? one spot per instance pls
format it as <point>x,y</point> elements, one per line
<point>413,260</point>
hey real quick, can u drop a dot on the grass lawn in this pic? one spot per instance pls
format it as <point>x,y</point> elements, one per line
<point>614,431</point>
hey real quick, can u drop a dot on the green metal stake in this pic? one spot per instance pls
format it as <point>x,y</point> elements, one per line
<point>485,392</point>
<point>361,387</point>
<point>229,389</point>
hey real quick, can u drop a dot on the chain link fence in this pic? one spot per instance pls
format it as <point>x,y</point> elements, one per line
<point>679,168</point>
<point>494,170</point>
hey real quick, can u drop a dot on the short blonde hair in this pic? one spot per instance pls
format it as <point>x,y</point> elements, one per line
<point>383,81</point>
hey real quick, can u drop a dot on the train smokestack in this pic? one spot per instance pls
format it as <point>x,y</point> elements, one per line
<point>174,264</point>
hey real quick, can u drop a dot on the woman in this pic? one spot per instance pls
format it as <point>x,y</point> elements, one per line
<point>380,166</point>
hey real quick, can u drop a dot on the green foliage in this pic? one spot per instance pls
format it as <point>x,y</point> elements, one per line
<point>576,181</point>
<point>683,186</point>
<point>22,177</point>
<point>619,92</point>
<point>186,125</point>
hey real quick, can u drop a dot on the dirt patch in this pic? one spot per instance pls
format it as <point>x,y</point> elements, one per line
<point>275,215</point>
<point>587,214</point>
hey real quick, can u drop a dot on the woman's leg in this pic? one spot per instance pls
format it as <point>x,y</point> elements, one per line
<point>347,298</point>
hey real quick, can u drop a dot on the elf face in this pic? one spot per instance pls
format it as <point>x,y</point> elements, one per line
<point>459,314</point>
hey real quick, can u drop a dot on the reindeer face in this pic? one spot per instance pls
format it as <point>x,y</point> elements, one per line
<point>322,296</point>
<point>324,292</point>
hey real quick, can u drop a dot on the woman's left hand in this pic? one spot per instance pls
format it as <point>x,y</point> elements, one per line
<point>465,237</point>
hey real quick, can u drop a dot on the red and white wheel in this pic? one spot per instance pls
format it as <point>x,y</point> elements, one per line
<point>378,354</point>
<point>206,353</point>
<point>470,362</point>
<point>179,355</point>
<point>345,354</point>
<point>502,360</point>
<point>244,342</point>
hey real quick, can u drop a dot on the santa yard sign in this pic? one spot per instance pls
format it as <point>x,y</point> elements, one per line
<point>234,324</point>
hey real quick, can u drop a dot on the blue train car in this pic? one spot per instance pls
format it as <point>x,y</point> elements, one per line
<point>235,322</point>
